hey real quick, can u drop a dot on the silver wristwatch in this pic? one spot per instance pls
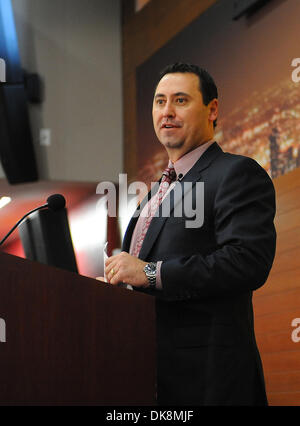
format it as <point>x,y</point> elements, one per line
<point>150,271</point>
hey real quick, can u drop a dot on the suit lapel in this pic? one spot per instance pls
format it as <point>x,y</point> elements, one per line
<point>193,176</point>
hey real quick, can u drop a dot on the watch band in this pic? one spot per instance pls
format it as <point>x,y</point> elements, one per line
<point>150,271</point>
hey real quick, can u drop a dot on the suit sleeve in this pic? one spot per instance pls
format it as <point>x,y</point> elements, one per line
<point>244,209</point>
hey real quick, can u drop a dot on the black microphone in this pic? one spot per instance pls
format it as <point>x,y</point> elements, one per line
<point>54,202</point>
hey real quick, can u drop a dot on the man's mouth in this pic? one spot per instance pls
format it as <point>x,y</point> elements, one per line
<point>169,126</point>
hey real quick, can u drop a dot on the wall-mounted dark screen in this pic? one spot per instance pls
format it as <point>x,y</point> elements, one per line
<point>16,147</point>
<point>16,150</point>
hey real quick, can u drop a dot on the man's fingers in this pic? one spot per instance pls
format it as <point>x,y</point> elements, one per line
<point>115,279</point>
<point>115,257</point>
<point>111,259</point>
<point>111,270</point>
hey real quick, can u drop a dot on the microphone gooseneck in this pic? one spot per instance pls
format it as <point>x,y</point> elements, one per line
<point>54,202</point>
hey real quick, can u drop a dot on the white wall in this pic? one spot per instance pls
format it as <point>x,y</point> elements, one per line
<point>75,46</point>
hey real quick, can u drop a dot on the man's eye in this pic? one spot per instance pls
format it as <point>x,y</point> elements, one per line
<point>160,101</point>
<point>181,100</point>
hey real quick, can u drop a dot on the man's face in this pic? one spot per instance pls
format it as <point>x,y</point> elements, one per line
<point>181,121</point>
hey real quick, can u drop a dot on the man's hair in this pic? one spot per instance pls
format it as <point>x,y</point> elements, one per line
<point>207,85</point>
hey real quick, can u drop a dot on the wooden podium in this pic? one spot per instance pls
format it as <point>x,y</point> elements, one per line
<point>71,340</point>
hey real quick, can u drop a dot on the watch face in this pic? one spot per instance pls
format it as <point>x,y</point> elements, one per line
<point>150,268</point>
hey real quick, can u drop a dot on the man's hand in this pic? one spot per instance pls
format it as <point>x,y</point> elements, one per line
<point>127,269</point>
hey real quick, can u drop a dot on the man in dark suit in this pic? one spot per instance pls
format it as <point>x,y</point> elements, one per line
<point>202,276</point>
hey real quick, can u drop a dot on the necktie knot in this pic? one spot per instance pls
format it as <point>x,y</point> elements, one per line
<point>169,174</point>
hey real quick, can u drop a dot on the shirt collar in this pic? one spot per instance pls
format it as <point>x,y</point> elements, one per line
<point>185,163</point>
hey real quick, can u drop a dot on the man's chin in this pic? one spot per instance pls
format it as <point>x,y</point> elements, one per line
<point>173,144</point>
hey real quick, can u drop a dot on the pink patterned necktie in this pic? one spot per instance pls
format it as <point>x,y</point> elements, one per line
<point>169,176</point>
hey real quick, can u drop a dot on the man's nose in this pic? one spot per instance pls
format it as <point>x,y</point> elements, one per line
<point>169,110</point>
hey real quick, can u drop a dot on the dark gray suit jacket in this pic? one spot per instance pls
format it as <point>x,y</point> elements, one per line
<point>206,349</point>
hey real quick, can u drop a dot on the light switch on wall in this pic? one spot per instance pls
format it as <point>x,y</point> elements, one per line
<point>45,137</point>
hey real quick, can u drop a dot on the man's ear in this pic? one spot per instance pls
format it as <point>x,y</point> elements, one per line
<point>213,109</point>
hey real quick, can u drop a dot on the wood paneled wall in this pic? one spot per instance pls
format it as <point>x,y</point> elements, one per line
<point>278,302</point>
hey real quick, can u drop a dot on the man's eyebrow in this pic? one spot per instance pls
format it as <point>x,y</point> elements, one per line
<point>161,95</point>
<point>181,94</point>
